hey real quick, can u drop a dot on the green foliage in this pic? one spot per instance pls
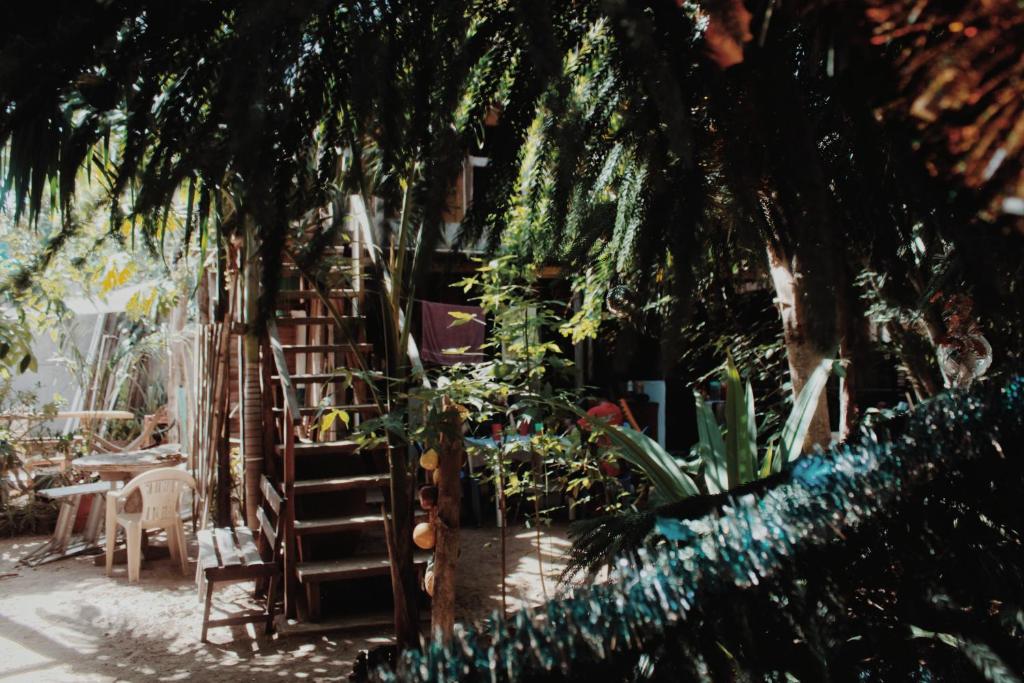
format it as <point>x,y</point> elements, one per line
<point>15,347</point>
<point>733,460</point>
<point>727,459</point>
<point>795,578</point>
<point>730,457</point>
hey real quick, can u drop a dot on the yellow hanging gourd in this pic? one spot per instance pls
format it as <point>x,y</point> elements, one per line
<point>423,535</point>
<point>429,460</point>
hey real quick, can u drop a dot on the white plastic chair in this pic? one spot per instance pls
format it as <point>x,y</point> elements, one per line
<point>161,502</point>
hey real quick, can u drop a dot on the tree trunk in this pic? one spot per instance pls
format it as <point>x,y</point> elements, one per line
<point>853,341</point>
<point>252,397</point>
<point>446,522</point>
<point>803,354</point>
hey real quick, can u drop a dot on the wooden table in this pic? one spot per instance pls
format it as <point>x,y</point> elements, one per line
<point>123,467</point>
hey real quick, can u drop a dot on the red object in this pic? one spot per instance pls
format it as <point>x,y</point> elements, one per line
<point>606,411</point>
<point>84,507</point>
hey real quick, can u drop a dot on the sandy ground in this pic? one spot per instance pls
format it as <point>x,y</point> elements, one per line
<point>66,621</point>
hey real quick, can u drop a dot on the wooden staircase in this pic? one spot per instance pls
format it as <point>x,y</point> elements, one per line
<point>317,355</point>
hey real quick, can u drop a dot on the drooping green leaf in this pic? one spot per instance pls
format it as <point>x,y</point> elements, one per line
<point>654,461</point>
<point>795,430</point>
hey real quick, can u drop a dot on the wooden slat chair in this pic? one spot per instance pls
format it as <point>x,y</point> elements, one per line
<point>232,555</point>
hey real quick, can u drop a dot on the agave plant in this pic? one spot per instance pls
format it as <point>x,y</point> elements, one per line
<point>730,458</point>
<point>726,459</point>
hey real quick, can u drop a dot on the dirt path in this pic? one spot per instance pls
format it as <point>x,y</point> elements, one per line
<point>66,621</point>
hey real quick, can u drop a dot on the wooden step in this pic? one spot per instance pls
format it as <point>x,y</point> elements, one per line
<point>332,484</point>
<point>332,525</point>
<point>363,347</point>
<point>330,377</point>
<point>340,447</point>
<point>342,263</point>
<point>350,567</point>
<point>361,408</point>
<point>356,622</point>
<point>290,321</point>
<point>292,294</point>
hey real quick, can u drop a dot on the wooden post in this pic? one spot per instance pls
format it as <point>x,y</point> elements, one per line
<point>446,521</point>
<point>251,421</point>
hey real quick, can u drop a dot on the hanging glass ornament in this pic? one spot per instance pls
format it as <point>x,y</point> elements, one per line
<point>964,355</point>
<point>964,359</point>
<point>621,301</point>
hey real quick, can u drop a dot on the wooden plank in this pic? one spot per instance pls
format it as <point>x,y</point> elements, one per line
<point>351,567</point>
<point>293,294</point>
<point>247,546</point>
<point>325,348</point>
<point>270,494</point>
<point>286,321</point>
<point>361,408</point>
<point>266,527</point>
<point>66,523</point>
<point>337,524</point>
<point>97,511</point>
<point>330,484</point>
<point>207,550</point>
<point>77,490</point>
<point>228,547</point>
<point>329,377</point>
<point>340,447</point>
<point>330,525</point>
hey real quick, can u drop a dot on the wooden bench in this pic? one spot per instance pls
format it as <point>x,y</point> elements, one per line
<point>70,498</point>
<point>233,555</point>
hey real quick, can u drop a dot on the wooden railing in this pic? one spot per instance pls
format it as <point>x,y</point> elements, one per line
<point>291,416</point>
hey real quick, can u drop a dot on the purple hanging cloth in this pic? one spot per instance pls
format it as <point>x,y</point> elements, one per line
<point>462,342</point>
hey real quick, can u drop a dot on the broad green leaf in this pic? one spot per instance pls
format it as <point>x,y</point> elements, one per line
<point>329,418</point>
<point>711,447</point>
<point>740,445</point>
<point>645,453</point>
<point>795,430</point>
<point>327,422</point>
<point>748,461</point>
<point>766,464</point>
<point>735,417</point>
